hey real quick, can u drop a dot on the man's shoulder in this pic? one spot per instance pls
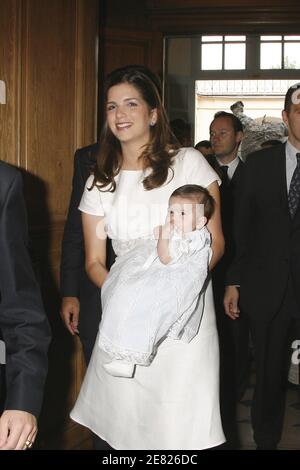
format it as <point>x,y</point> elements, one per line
<point>9,177</point>
<point>264,156</point>
<point>8,173</point>
<point>87,154</point>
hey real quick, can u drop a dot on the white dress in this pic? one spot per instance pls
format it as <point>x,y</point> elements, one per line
<point>144,300</point>
<point>174,402</point>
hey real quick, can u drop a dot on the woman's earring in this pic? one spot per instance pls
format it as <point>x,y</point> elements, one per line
<point>152,123</point>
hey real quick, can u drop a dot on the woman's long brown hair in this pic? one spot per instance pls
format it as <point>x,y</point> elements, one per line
<point>158,154</point>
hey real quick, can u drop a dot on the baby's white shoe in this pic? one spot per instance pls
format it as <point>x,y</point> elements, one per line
<point>119,368</point>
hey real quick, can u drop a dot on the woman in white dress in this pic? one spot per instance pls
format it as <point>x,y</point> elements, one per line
<point>174,402</point>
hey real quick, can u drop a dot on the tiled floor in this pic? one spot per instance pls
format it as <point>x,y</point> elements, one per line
<point>291,431</point>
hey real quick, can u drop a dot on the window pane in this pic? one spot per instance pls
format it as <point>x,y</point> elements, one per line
<point>270,56</point>
<point>292,38</point>
<point>292,56</point>
<point>235,57</point>
<point>211,57</point>
<point>212,38</point>
<point>270,38</point>
<point>235,38</point>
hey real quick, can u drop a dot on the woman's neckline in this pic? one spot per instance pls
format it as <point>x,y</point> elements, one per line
<point>132,171</point>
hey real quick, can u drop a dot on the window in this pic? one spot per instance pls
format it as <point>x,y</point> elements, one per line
<point>223,52</point>
<point>227,56</point>
<point>276,52</point>
<point>231,67</point>
<point>279,52</point>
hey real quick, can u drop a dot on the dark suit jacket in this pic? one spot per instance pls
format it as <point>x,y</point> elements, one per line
<point>267,240</point>
<point>23,323</point>
<point>74,281</point>
<point>229,201</point>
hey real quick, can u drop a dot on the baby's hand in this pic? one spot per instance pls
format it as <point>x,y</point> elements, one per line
<point>167,229</point>
<point>163,231</point>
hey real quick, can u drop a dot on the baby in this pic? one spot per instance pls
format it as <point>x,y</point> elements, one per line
<point>149,297</point>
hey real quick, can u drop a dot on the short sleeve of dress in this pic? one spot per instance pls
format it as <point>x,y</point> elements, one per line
<point>91,199</point>
<point>197,170</point>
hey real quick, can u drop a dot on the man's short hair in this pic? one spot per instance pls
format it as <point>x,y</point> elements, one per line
<point>271,143</point>
<point>203,143</point>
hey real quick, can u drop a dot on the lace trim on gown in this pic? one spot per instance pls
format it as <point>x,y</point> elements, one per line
<point>143,359</point>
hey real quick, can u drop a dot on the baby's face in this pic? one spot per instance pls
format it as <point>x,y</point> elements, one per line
<point>185,213</point>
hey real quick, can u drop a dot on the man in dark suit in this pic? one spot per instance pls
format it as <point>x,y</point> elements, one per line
<point>267,268</point>
<point>81,298</point>
<point>226,133</point>
<point>81,302</point>
<point>23,323</point>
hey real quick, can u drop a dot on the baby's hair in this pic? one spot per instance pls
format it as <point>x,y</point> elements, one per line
<point>198,193</point>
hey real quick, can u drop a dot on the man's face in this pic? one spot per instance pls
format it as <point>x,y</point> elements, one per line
<point>224,140</point>
<point>292,121</point>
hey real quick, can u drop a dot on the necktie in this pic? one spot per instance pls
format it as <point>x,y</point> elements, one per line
<point>294,191</point>
<point>224,172</point>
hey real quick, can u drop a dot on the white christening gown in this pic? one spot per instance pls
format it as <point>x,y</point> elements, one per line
<point>144,301</point>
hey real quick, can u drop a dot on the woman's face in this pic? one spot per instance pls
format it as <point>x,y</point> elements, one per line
<point>128,115</point>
